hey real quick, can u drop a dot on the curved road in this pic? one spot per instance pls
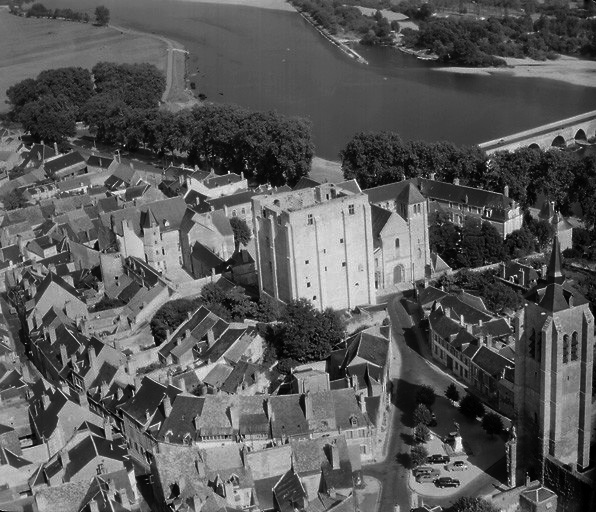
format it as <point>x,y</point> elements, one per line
<point>414,370</point>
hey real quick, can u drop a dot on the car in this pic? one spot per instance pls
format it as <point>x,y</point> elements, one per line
<point>456,465</point>
<point>447,481</point>
<point>438,459</point>
<point>426,478</point>
<point>425,470</point>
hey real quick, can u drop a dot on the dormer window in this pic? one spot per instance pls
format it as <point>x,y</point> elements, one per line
<point>353,421</point>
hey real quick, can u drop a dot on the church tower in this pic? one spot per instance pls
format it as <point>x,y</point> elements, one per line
<point>553,374</point>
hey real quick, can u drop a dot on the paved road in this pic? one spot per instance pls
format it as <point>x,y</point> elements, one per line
<point>415,371</point>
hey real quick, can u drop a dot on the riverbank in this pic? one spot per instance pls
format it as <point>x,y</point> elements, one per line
<point>565,69</point>
<point>31,45</point>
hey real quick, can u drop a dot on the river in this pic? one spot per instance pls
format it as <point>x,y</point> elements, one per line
<point>273,60</point>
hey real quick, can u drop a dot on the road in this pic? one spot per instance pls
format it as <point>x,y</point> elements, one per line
<point>414,371</point>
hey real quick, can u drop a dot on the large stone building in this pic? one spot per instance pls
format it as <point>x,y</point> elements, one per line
<point>315,243</point>
<point>553,375</point>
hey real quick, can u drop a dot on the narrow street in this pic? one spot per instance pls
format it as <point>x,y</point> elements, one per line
<point>414,371</point>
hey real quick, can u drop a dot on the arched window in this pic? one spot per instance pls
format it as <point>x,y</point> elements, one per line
<point>397,243</point>
<point>566,348</point>
<point>574,346</point>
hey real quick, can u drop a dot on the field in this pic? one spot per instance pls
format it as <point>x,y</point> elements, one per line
<point>32,45</point>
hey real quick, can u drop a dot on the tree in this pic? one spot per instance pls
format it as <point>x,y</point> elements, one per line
<point>471,407</point>
<point>492,423</point>
<point>268,309</point>
<point>102,15</point>
<point>74,84</point>
<point>421,433</point>
<point>425,395</point>
<point>14,199</point>
<point>452,393</point>
<point>306,334</point>
<point>169,317</point>
<point>20,94</point>
<point>422,415</point>
<point>418,455</point>
<point>465,504</point>
<point>49,119</point>
<point>242,233</point>
<point>232,305</point>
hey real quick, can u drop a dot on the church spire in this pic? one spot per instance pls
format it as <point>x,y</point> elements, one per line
<point>554,274</point>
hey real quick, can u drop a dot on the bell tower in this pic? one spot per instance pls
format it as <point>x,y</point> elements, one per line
<point>553,374</point>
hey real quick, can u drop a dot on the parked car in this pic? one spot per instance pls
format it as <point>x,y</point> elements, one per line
<point>426,478</point>
<point>425,470</point>
<point>456,465</point>
<point>447,481</point>
<point>438,459</point>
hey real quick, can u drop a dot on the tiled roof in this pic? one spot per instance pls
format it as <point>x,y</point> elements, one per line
<point>218,375</point>
<point>221,180</point>
<point>146,400</point>
<point>289,491</point>
<point>410,195</point>
<point>371,348</point>
<point>99,161</point>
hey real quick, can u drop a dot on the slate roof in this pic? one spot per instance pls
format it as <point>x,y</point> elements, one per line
<point>460,308</point>
<point>410,195</point>
<point>430,294</point>
<point>72,159</point>
<point>218,375</point>
<point>244,373</point>
<point>306,182</point>
<point>385,193</point>
<point>208,259</point>
<point>53,278</point>
<point>495,328</point>
<point>477,197</point>
<point>221,180</point>
<point>289,492</point>
<point>491,362</point>
<point>373,349</point>
<point>380,217</point>
<point>99,161</point>
<point>147,400</point>
<point>90,448</point>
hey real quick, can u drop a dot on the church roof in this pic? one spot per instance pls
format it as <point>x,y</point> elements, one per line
<point>554,274</point>
<point>410,195</point>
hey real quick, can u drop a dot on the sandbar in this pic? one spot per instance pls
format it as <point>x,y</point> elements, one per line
<point>278,5</point>
<point>565,69</point>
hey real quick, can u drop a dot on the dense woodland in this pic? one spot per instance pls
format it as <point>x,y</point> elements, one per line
<point>38,10</point>
<point>120,105</point>
<point>470,42</point>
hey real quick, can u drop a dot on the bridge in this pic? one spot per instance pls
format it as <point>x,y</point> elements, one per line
<point>578,130</point>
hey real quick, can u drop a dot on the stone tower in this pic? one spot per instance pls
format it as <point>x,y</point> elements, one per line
<point>553,374</point>
<point>413,207</point>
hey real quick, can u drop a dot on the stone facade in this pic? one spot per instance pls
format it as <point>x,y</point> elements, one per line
<point>553,373</point>
<point>316,244</point>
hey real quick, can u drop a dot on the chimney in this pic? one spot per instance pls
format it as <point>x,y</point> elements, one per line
<point>52,334</point>
<point>93,506</point>
<point>210,338</point>
<point>234,417</point>
<point>308,412</point>
<point>362,403</point>
<point>167,406</point>
<point>63,355</point>
<point>56,148</point>
<point>64,458</point>
<point>187,334</point>
<point>182,384</point>
<point>334,455</point>
<point>45,401</point>
<point>456,181</point>
<point>92,356</point>
<point>506,191</point>
<point>461,320</point>
<point>432,176</point>
<point>447,312</point>
<point>147,415</point>
<point>103,389</point>
<point>119,393</point>
<point>107,429</point>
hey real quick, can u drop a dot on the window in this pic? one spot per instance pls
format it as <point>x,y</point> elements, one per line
<point>309,219</point>
<point>306,262</point>
<point>308,285</point>
<point>233,213</point>
<point>351,209</point>
<point>574,346</point>
<point>341,240</point>
<point>397,243</point>
<point>566,348</point>
<point>243,211</point>
<point>343,263</point>
<point>325,269</point>
<point>314,297</point>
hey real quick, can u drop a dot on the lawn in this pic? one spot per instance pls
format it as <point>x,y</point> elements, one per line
<point>32,45</point>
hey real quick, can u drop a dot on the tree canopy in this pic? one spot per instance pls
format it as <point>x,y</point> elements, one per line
<point>492,423</point>
<point>467,504</point>
<point>242,233</point>
<point>471,407</point>
<point>306,334</point>
<point>102,15</point>
<point>169,317</point>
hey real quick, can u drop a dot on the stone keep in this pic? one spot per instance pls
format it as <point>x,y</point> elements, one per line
<point>315,243</point>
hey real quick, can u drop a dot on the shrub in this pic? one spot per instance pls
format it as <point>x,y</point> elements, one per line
<point>422,415</point>
<point>421,433</point>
